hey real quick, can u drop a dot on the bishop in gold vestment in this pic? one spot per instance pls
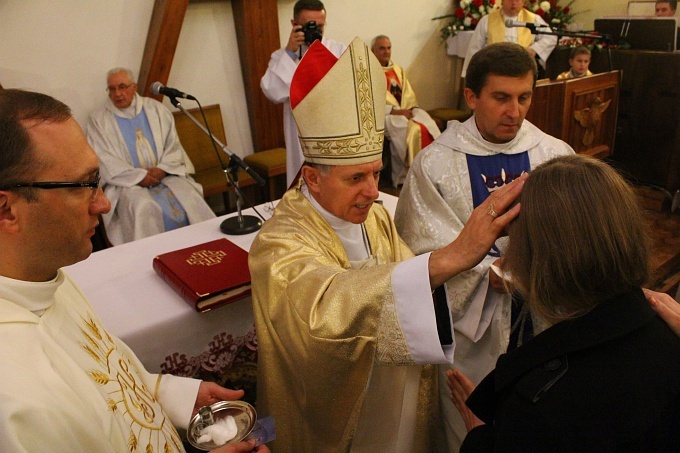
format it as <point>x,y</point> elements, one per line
<point>345,314</point>
<point>343,310</point>
<point>323,327</point>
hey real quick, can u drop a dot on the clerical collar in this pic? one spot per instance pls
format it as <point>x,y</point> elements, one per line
<point>35,297</point>
<point>471,126</point>
<point>128,112</point>
<point>351,235</point>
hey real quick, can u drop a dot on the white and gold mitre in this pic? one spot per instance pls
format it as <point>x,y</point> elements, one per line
<point>339,105</point>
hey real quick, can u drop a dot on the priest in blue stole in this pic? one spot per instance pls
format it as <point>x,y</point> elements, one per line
<point>457,173</point>
<point>144,169</point>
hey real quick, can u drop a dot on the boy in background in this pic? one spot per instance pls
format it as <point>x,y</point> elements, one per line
<point>579,60</point>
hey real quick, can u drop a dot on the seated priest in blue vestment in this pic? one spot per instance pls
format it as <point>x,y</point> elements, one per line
<point>144,169</point>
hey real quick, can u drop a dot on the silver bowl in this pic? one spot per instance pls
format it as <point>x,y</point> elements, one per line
<point>243,413</point>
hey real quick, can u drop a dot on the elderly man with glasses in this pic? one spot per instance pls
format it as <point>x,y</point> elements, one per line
<point>145,171</point>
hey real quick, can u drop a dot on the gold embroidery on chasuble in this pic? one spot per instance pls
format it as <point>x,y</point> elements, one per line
<point>128,397</point>
<point>391,345</point>
<point>391,348</point>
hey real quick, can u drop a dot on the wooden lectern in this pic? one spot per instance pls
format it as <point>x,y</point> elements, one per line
<point>582,112</point>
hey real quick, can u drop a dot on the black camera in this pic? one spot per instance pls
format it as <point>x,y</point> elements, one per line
<point>311,31</point>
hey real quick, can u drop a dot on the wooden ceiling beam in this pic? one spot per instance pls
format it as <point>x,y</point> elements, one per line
<point>257,31</point>
<point>161,43</point>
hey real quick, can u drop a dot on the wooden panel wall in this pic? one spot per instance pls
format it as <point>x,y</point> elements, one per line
<point>257,28</point>
<point>546,108</point>
<point>553,107</point>
<point>597,100</point>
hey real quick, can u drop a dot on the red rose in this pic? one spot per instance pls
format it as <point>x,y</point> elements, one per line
<point>459,13</point>
<point>474,22</point>
<point>566,10</point>
<point>540,12</point>
<point>478,3</point>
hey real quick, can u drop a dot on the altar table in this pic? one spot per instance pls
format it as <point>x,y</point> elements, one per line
<point>165,332</point>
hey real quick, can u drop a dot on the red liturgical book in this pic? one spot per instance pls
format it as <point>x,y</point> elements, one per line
<point>206,275</point>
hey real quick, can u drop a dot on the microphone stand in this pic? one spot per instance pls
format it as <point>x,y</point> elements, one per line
<point>241,224</point>
<point>607,39</point>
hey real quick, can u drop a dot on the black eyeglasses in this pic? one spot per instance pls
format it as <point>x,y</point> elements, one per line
<point>93,185</point>
<point>121,87</point>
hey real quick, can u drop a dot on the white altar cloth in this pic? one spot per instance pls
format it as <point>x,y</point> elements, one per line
<point>136,305</point>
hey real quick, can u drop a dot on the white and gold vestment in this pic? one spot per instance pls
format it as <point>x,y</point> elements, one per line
<point>344,312</point>
<point>69,385</point>
<point>332,337</point>
<point>491,28</point>
<point>135,213</point>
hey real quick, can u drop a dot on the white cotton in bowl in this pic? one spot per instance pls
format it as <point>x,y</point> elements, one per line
<point>219,433</point>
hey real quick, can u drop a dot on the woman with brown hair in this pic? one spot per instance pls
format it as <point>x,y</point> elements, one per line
<point>605,376</point>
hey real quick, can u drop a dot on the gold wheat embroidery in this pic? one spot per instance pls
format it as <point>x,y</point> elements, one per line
<point>99,377</point>
<point>132,442</point>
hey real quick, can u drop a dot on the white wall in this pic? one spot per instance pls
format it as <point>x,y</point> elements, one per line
<point>64,48</point>
<point>207,65</point>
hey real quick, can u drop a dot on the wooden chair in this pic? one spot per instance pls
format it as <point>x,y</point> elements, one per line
<point>269,164</point>
<point>200,150</point>
<point>443,115</point>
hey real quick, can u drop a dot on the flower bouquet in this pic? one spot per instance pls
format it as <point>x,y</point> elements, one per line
<point>554,14</point>
<point>466,15</point>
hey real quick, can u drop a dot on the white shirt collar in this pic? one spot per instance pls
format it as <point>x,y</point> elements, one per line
<point>350,234</point>
<point>35,297</point>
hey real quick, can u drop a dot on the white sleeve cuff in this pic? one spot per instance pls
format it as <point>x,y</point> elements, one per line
<point>415,308</point>
<point>177,396</point>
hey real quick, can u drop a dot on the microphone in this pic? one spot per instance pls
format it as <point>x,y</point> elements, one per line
<point>159,88</point>
<point>511,23</point>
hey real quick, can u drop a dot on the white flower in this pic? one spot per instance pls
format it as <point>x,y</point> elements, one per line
<point>464,3</point>
<point>467,21</point>
<point>545,6</point>
<point>476,15</point>
<point>555,21</point>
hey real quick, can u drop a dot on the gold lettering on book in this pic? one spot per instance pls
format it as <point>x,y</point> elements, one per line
<point>206,257</point>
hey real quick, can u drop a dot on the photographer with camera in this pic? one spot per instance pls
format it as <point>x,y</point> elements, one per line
<point>308,23</point>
